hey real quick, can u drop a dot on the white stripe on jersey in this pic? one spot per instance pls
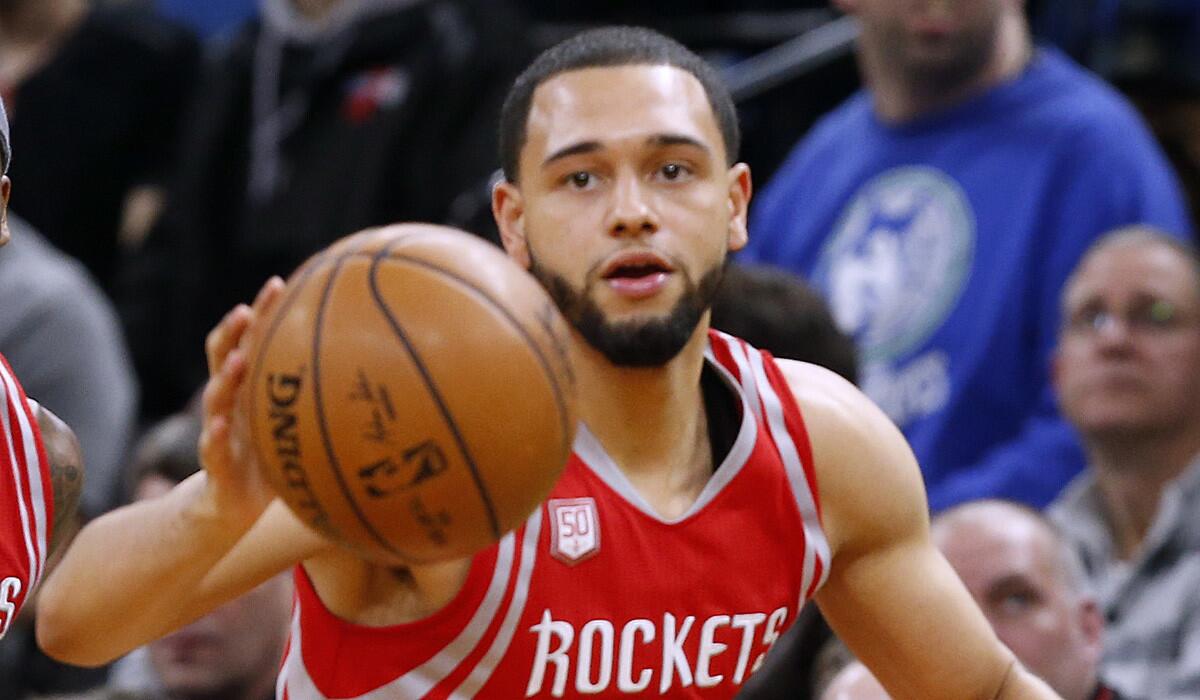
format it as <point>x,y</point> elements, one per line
<point>287,679</point>
<point>487,665</point>
<point>33,467</point>
<point>419,681</point>
<point>20,491</point>
<point>814,535</point>
<point>739,359</point>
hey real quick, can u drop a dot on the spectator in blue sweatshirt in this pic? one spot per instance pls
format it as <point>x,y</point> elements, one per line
<point>941,209</point>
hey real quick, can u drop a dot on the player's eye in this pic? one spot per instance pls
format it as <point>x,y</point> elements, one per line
<point>673,172</point>
<point>580,180</point>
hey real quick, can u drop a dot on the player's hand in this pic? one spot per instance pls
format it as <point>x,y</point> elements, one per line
<point>235,488</point>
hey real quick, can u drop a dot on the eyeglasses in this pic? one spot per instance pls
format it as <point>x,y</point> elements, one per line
<point>1145,316</point>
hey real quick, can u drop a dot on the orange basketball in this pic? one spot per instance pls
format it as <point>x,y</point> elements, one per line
<point>410,396</point>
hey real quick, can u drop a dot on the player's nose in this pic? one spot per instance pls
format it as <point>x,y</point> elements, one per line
<point>630,210</point>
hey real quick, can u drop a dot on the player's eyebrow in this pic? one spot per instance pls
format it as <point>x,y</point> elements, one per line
<point>677,140</point>
<point>572,150</point>
<point>657,140</point>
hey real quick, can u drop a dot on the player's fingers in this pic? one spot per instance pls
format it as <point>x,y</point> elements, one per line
<point>268,295</point>
<point>221,390</point>
<point>264,303</point>
<point>224,337</point>
<point>213,440</point>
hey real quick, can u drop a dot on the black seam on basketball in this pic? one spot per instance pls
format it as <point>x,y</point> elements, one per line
<point>296,285</point>
<point>549,372</point>
<point>431,387</point>
<point>320,411</point>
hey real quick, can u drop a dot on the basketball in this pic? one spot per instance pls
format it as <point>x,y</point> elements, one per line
<point>410,395</point>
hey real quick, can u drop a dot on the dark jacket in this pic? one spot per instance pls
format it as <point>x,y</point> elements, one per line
<point>392,119</point>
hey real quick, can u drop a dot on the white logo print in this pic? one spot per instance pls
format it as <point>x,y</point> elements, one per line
<point>893,271</point>
<point>899,260</point>
<point>575,529</point>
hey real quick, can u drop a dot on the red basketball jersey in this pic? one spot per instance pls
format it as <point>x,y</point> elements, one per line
<point>26,500</point>
<point>596,595</point>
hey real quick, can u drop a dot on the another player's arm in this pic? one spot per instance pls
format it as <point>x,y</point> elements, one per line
<point>890,595</point>
<point>66,473</point>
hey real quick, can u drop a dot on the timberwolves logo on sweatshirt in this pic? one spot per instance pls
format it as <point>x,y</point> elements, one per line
<point>894,269</point>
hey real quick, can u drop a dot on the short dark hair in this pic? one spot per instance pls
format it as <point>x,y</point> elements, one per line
<point>606,47</point>
<point>775,310</point>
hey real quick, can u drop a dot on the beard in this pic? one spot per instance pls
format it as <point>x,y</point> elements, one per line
<point>945,68</point>
<point>637,343</point>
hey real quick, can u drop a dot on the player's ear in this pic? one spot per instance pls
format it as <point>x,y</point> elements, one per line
<point>740,189</point>
<point>509,211</point>
<point>1091,625</point>
<point>5,191</point>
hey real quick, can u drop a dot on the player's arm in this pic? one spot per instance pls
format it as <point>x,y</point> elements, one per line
<point>141,571</point>
<point>890,595</point>
<point>65,461</point>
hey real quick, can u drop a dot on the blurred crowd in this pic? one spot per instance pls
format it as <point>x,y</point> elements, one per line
<point>993,237</point>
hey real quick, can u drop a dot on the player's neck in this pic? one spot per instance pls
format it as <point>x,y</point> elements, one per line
<point>642,416</point>
<point>1132,476</point>
<point>899,98</point>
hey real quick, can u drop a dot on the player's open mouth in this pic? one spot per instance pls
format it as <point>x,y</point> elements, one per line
<point>637,275</point>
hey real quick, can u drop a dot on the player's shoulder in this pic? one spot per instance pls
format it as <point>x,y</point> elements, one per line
<point>866,473</point>
<point>843,424</point>
<point>827,398</point>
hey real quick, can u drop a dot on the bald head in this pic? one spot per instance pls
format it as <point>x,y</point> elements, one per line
<point>1138,237</point>
<point>961,533</point>
<point>1030,586</point>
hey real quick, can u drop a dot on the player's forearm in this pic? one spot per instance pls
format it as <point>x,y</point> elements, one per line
<point>131,576</point>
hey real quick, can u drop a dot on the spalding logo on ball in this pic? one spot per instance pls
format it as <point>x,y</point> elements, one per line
<point>411,396</point>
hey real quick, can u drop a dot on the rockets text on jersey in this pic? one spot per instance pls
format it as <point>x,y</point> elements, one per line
<point>602,662</point>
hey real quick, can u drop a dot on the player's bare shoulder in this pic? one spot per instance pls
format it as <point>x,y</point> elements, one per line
<point>66,470</point>
<point>867,476</point>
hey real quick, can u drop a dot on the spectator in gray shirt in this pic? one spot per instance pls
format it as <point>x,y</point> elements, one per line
<point>1127,374</point>
<point>62,338</point>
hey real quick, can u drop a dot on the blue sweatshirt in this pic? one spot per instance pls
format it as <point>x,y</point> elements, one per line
<point>942,245</point>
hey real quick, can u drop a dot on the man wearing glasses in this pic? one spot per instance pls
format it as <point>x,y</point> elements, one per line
<point>1127,374</point>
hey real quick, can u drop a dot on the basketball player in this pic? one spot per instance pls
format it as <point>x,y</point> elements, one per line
<point>713,490</point>
<point>41,472</point>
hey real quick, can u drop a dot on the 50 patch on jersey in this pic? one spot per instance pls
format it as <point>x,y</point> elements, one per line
<point>575,529</point>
